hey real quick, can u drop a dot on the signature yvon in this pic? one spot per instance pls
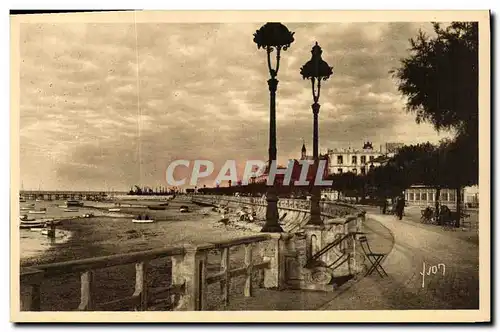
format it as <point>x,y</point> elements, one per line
<point>432,269</point>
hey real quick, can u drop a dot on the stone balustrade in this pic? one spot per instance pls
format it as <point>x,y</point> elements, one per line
<point>189,276</point>
<point>335,240</point>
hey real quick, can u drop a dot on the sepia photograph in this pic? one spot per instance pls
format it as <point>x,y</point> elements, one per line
<point>250,166</point>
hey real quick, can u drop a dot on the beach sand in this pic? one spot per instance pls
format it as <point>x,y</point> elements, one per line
<point>101,236</point>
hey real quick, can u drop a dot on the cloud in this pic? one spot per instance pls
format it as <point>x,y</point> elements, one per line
<point>111,105</point>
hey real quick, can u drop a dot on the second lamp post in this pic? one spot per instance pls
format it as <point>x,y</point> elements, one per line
<point>316,70</point>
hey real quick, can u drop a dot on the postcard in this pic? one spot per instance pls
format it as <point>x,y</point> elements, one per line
<point>250,166</point>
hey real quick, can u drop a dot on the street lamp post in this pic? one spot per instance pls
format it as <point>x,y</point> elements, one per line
<point>273,37</point>
<point>316,70</point>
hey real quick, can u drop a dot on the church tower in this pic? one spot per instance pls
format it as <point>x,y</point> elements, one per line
<point>303,152</point>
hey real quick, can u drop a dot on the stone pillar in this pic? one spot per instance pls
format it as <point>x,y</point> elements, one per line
<point>275,252</point>
<point>190,270</point>
<point>314,239</point>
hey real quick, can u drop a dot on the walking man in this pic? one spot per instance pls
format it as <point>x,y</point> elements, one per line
<point>400,206</point>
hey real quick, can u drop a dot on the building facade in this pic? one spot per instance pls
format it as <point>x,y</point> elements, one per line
<point>358,161</point>
<point>426,196</point>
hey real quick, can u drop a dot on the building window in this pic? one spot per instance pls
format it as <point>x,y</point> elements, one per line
<point>355,171</point>
<point>340,160</point>
<point>451,196</point>
<point>411,197</point>
<point>363,159</point>
<point>372,158</point>
<point>417,196</point>
<point>444,196</point>
<point>363,170</point>
<point>340,170</point>
<point>371,167</point>
<point>354,160</point>
<point>424,196</point>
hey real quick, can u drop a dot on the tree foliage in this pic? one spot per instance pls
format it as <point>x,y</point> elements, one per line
<point>440,80</point>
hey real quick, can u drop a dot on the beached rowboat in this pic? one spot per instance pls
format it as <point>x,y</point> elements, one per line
<point>155,207</point>
<point>37,211</point>
<point>32,224</point>
<point>142,221</point>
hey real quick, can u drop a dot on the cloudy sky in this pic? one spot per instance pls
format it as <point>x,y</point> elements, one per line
<point>106,106</point>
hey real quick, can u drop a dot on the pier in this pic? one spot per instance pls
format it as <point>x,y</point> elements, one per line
<point>62,195</point>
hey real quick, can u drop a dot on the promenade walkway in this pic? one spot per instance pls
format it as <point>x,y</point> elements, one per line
<point>409,245</point>
<point>381,240</point>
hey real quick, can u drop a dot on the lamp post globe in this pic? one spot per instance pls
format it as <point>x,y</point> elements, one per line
<point>273,37</point>
<point>316,70</point>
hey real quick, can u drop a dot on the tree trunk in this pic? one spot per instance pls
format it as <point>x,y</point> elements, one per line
<point>438,195</point>
<point>459,207</point>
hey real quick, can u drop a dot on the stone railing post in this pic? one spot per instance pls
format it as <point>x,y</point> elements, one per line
<point>31,280</point>
<point>275,253</point>
<point>141,283</point>
<point>87,293</point>
<point>190,270</point>
<point>361,221</point>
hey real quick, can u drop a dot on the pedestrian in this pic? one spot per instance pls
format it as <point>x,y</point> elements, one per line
<point>400,206</point>
<point>384,206</point>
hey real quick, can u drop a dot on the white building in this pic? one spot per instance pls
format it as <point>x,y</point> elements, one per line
<point>359,161</point>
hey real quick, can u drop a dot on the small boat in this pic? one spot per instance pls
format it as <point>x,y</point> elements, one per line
<point>41,211</point>
<point>88,215</point>
<point>38,200</point>
<point>70,210</point>
<point>114,210</point>
<point>24,208</point>
<point>62,206</point>
<point>45,231</point>
<point>156,207</point>
<point>26,218</point>
<point>73,203</point>
<point>32,224</point>
<point>142,219</point>
<point>184,209</point>
<point>163,204</point>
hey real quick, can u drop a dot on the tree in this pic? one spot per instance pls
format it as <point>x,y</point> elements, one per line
<point>440,80</point>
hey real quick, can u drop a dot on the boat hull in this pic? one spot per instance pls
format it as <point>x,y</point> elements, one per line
<point>156,207</point>
<point>29,225</point>
<point>138,221</point>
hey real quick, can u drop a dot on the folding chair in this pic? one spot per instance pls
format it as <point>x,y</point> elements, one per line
<point>374,258</point>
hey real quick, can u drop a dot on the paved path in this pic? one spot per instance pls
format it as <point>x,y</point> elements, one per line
<point>456,286</point>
